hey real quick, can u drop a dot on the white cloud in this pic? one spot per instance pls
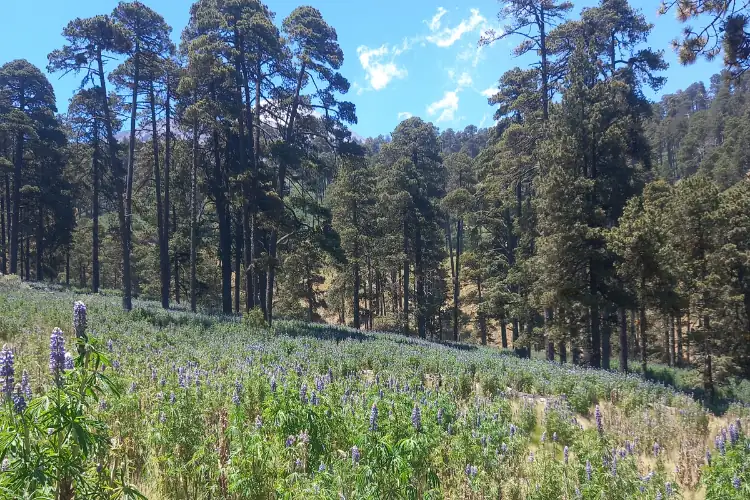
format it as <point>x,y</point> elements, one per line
<point>379,64</point>
<point>448,36</point>
<point>484,120</point>
<point>447,106</point>
<point>404,115</point>
<point>434,23</point>
<point>489,92</point>
<point>465,80</point>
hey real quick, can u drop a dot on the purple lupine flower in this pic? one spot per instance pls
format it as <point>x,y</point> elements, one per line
<point>722,447</point>
<point>613,467</point>
<point>290,441</point>
<point>19,402</point>
<point>314,399</point>
<point>736,483</point>
<point>450,429</point>
<point>355,455</point>
<point>56,352</point>
<point>588,470</point>
<point>103,405</point>
<point>133,388</point>
<point>416,418</point>
<point>578,492</point>
<point>162,417</point>
<point>110,345</point>
<point>172,397</point>
<point>668,489</point>
<point>69,365</point>
<point>565,455</point>
<point>5,465</point>
<point>471,471</point>
<point>554,437</point>
<point>708,458</point>
<point>512,430</point>
<point>258,422</point>
<point>658,495</point>
<point>531,457</point>
<point>79,319</point>
<point>7,371</point>
<point>374,418</point>
<point>440,416</point>
<point>303,394</point>
<point>598,416</point>
<point>734,434</point>
<point>273,383</point>
<point>504,448</point>
<point>26,385</point>
<point>656,448</point>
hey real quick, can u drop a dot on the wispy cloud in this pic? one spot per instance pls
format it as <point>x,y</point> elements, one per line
<point>447,36</point>
<point>434,23</point>
<point>380,66</point>
<point>404,115</point>
<point>465,80</point>
<point>489,92</point>
<point>447,106</point>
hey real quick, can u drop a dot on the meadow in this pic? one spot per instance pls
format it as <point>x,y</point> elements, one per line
<point>168,404</point>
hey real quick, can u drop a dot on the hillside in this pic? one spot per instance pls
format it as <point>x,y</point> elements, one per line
<point>212,406</point>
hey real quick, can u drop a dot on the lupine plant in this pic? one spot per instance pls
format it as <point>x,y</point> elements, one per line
<point>52,445</point>
<point>198,406</point>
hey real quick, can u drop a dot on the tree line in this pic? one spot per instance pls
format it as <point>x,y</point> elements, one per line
<point>588,222</point>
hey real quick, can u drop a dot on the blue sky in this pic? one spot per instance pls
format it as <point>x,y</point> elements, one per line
<point>402,57</point>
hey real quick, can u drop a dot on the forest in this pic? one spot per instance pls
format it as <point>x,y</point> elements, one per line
<point>588,223</point>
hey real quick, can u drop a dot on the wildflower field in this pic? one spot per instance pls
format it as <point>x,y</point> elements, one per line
<point>100,403</point>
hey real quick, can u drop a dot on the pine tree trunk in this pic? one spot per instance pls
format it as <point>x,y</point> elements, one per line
<point>161,230</point>
<point>194,219</point>
<point>167,167</point>
<point>623,339</point>
<point>355,295</point>
<point>225,234</point>
<point>708,380</point>
<point>4,241</point>
<point>671,341</point>
<point>457,281</point>
<point>17,168</point>
<point>503,333</point>
<point>644,344</point>
<point>419,278</point>
<point>596,335</point>
<point>8,218</point>
<point>369,293</point>
<point>678,332</point>
<point>95,269</point>
<point>563,352</point>
<point>127,279</point>
<point>606,338</point>
<point>27,266</point>
<point>667,342</point>
<point>406,281</point>
<point>238,243</point>
<point>481,318</point>
<point>115,163</point>
<point>550,345</point>
<point>39,242</point>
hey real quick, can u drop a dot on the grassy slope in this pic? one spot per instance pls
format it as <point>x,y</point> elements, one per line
<point>150,344</point>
